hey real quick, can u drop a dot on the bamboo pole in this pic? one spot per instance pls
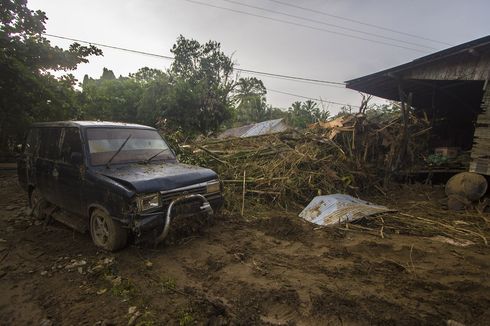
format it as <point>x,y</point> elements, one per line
<point>243,188</point>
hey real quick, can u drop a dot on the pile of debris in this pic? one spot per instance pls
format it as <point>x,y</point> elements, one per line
<point>286,169</point>
<point>390,142</point>
<point>345,155</point>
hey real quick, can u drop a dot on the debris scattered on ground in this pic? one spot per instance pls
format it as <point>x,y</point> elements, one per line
<point>132,310</point>
<point>459,243</point>
<point>133,314</point>
<point>46,322</point>
<point>338,209</point>
<point>134,318</point>
<point>269,267</point>
<point>102,291</point>
<point>74,264</point>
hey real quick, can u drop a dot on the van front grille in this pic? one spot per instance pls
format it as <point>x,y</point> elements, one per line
<point>167,197</point>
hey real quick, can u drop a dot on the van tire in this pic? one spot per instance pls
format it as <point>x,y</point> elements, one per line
<point>107,233</point>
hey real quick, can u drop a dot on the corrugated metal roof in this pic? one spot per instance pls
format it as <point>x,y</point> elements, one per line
<point>265,127</point>
<point>339,208</point>
<point>256,129</point>
<point>76,123</point>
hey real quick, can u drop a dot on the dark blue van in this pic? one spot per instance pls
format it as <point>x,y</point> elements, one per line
<point>113,179</point>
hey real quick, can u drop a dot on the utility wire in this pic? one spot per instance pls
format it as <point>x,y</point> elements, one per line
<point>110,46</point>
<point>308,80</point>
<point>360,22</point>
<point>256,72</point>
<point>301,79</point>
<point>329,24</point>
<point>295,80</point>
<point>305,26</point>
<point>310,98</point>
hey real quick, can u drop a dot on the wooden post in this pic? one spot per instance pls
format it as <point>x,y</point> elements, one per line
<point>405,102</point>
<point>243,190</point>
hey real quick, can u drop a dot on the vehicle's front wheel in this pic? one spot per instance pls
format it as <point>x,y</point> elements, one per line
<point>107,233</point>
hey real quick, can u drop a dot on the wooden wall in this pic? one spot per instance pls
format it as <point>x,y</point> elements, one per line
<point>480,153</point>
<point>462,67</point>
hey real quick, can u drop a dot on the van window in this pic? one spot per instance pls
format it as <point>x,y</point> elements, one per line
<point>32,141</point>
<point>49,147</point>
<point>71,143</point>
<point>139,145</point>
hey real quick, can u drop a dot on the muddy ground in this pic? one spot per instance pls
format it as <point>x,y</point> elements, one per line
<point>274,270</point>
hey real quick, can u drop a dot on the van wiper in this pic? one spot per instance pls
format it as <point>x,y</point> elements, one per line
<point>117,152</point>
<point>153,156</point>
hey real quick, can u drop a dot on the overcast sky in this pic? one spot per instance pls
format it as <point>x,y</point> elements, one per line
<point>266,45</point>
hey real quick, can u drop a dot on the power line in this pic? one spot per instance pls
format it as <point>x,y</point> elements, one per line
<point>305,26</point>
<point>111,46</point>
<point>310,98</point>
<point>256,72</point>
<point>360,22</point>
<point>302,79</point>
<point>329,24</point>
<point>299,81</point>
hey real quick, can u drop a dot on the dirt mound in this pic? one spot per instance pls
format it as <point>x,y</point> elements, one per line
<point>284,228</point>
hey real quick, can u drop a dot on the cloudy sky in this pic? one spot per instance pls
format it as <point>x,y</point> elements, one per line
<point>285,40</point>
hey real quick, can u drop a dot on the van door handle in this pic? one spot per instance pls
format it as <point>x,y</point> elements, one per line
<point>55,173</point>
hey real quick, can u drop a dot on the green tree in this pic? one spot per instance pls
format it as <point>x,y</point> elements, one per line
<point>300,115</point>
<point>156,89</point>
<point>114,99</point>
<point>28,91</point>
<point>147,75</point>
<point>276,113</point>
<point>107,74</point>
<point>249,97</point>
<point>198,98</point>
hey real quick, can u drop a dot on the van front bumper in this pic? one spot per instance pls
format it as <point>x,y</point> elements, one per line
<point>155,221</point>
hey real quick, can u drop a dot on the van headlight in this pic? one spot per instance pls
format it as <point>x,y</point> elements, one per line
<point>213,186</point>
<point>149,201</point>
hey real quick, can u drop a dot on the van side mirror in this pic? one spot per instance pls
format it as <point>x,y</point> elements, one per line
<point>76,158</point>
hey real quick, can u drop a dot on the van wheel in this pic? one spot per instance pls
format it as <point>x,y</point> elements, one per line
<point>37,204</point>
<point>107,233</point>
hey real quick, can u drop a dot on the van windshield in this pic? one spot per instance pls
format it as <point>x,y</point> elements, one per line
<point>142,145</point>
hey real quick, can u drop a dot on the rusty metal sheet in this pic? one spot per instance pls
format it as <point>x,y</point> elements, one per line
<point>339,208</point>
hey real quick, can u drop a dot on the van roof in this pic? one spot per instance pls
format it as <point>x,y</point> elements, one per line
<point>90,124</point>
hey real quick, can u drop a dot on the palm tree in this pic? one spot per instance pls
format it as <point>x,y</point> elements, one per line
<point>250,100</point>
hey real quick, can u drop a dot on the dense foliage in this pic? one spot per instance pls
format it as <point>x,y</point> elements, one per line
<point>301,115</point>
<point>198,94</point>
<point>28,90</point>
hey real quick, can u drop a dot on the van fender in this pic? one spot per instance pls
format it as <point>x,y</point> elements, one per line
<point>91,207</point>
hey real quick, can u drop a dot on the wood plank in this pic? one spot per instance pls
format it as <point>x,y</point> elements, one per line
<point>480,166</point>
<point>481,142</point>
<point>482,132</point>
